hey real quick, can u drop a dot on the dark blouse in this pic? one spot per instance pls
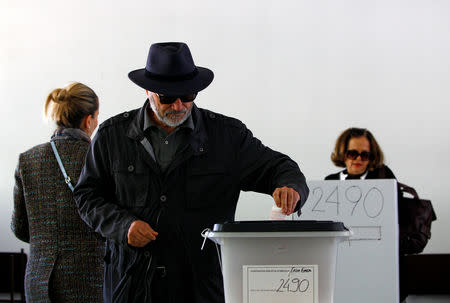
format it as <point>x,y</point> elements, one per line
<point>383,172</point>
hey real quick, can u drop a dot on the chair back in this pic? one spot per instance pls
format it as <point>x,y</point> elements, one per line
<point>12,265</point>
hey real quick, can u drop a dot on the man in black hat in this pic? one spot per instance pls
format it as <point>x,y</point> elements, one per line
<point>155,177</point>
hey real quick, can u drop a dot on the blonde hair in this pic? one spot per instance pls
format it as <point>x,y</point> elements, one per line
<point>341,147</point>
<point>69,105</point>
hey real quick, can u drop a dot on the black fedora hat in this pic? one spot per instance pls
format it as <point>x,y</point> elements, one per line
<point>170,70</point>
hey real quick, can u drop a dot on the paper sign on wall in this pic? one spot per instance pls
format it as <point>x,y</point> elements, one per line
<point>280,283</point>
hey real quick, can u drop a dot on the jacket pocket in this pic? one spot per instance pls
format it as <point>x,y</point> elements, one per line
<point>204,188</point>
<point>131,185</point>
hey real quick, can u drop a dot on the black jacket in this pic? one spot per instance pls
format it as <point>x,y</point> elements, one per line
<point>121,183</point>
<point>383,172</point>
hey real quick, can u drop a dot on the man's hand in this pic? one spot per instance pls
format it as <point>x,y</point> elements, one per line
<point>286,198</point>
<point>140,234</point>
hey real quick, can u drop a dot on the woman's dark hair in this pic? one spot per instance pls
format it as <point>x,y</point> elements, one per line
<point>338,156</point>
<point>69,105</point>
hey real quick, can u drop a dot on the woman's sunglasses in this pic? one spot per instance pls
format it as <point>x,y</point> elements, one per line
<point>353,154</point>
<point>171,99</point>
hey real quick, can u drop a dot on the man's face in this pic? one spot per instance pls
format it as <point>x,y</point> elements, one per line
<point>172,114</point>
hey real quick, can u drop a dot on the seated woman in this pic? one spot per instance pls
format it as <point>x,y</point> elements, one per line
<point>357,150</point>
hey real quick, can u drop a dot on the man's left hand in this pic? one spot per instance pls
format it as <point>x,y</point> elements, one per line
<point>286,198</point>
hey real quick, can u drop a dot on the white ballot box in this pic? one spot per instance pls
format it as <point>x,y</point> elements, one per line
<point>278,261</point>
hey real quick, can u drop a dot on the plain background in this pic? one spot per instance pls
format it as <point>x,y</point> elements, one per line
<point>296,72</point>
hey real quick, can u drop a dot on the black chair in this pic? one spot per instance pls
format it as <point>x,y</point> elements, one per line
<point>427,274</point>
<point>12,275</point>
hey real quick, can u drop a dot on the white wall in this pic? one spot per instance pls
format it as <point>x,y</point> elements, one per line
<point>296,72</point>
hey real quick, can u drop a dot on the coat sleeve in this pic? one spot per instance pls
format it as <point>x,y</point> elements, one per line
<point>94,195</point>
<point>263,169</point>
<point>19,222</point>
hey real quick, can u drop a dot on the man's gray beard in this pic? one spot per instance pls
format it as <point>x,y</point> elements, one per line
<point>165,119</point>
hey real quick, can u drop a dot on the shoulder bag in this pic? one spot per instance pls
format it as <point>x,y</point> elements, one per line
<point>415,216</point>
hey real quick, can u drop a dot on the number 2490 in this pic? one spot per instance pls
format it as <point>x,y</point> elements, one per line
<point>372,202</point>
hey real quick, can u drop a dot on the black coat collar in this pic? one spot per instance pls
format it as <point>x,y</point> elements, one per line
<point>198,139</point>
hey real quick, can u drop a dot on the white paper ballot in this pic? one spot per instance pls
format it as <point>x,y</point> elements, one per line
<point>280,283</point>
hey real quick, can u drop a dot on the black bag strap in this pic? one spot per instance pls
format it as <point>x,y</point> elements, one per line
<point>61,166</point>
<point>405,188</point>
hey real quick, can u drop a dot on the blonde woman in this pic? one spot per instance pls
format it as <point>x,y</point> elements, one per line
<point>65,262</point>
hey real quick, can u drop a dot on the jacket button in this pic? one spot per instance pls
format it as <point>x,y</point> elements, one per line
<point>147,254</point>
<point>125,115</point>
<point>211,115</point>
<point>163,198</point>
<point>130,168</point>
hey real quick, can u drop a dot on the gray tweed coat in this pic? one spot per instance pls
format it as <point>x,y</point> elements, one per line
<point>65,262</point>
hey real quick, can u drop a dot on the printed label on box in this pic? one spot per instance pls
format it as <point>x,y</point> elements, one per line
<point>280,283</point>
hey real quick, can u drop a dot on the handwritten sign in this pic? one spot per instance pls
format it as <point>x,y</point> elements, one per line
<point>367,264</point>
<point>371,201</point>
<point>280,283</point>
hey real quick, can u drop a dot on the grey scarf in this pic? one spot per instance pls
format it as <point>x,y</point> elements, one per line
<point>63,133</point>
